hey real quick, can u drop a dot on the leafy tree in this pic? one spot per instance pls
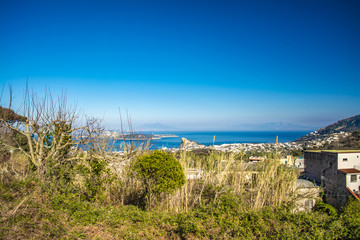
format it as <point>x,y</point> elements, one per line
<point>160,172</point>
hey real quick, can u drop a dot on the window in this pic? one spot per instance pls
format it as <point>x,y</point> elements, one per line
<point>345,159</point>
<point>353,178</point>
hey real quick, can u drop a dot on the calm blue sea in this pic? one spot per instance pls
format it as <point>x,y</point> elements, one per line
<point>206,138</point>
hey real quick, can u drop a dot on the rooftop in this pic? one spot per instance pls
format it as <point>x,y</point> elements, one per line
<point>335,151</point>
<point>303,183</point>
<point>349,170</point>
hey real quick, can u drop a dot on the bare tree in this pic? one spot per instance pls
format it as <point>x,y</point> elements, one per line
<point>48,124</point>
<point>53,132</point>
<point>133,143</point>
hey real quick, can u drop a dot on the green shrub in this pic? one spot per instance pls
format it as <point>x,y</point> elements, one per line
<point>189,225</point>
<point>160,172</point>
<point>325,208</point>
<point>351,219</point>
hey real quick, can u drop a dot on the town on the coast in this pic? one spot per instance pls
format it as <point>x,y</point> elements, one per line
<point>330,161</point>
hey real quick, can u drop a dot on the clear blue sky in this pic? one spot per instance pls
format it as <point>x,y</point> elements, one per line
<point>188,64</point>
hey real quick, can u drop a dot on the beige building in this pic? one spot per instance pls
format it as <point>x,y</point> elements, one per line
<point>291,161</point>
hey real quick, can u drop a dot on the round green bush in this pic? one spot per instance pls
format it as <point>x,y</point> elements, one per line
<point>160,172</point>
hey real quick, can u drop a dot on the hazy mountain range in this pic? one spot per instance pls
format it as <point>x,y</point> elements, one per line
<point>345,125</point>
<point>156,127</point>
<point>272,126</point>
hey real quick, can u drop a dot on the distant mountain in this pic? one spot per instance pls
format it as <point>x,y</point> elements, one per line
<point>346,125</point>
<point>156,127</point>
<point>274,126</point>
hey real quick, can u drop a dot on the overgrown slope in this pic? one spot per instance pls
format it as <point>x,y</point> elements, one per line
<point>346,125</point>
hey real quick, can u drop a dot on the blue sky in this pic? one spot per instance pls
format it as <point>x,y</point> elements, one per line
<point>188,64</point>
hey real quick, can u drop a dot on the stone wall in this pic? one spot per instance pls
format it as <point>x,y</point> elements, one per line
<point>337,194</point>
<point>318,163</point>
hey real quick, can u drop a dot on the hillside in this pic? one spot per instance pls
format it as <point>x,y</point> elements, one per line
<point>343,134</point>
<point>346,125</point>
<point>351,141</point>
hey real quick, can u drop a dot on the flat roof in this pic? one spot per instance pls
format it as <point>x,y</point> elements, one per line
<point>335,151</point>
<point>349,170</point>
<point>343,151</point>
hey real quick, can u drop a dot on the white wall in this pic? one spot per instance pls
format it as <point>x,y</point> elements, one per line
<point>353,185</point>
<point>352,160</point>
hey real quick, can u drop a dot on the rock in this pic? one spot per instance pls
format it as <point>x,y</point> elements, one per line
<point>189,144</point>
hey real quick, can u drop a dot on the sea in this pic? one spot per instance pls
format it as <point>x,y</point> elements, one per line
<point>225,137</point>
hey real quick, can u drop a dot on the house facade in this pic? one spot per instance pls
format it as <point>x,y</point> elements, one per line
<point>292,161</point>
<point>335,171</point>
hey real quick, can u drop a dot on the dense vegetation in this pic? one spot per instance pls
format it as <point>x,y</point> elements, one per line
<point>351,142</point>
<point>66,183</point>
<point>87,200</point>
<point>30,210</point>
<point>348,142</point>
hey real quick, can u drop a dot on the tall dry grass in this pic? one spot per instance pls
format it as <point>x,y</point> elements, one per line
<point>14,166</point>
<point>265,184</point>
<point>208,178</point>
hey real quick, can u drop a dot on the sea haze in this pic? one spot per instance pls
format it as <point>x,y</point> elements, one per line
<point>223,137</point>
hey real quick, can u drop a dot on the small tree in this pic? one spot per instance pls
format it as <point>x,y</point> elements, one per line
<point>160,172</point>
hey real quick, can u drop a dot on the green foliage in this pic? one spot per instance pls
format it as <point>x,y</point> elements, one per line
<point>160,172</point>
<point>61,136</point>
<point>93,177</point>
<point>325,208</point>
<point>297,153</point>
<point>64,215</point>
<point>356,134</point>
<point>356,137</point>
<point>351,219</point>
<point>189,225</point>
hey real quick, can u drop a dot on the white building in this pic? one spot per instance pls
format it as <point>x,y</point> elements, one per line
<point>338,171</point>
